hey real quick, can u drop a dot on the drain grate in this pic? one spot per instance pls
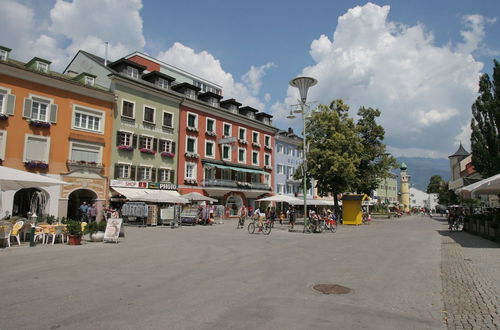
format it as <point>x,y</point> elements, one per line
<point>331,289</point>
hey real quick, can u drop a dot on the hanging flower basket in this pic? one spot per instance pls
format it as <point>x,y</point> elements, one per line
<point>256,145</point>
<point>241,141</point>
<point>147,151</point>
<point>191,155</point>
<point>213,134</point>
<point>167,154</point>
<point>192,129</point>
<point>3,116</point>
<point>268,147</point>
<point>39,123</point>
<point>190,181</point>
<point>125,148</point>
<point>36,164</point>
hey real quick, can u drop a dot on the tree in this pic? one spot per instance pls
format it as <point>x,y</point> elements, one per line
<point>435,185</point>
<point>485,125</point>
<point>375,163</point>
<point>334,149</point>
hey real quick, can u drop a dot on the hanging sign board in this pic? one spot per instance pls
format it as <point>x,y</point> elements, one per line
<point>113,230</point>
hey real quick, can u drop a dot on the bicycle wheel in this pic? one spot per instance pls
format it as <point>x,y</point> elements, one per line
<point>266,228</point>
<point>333,226</point>
<point>251,228</point>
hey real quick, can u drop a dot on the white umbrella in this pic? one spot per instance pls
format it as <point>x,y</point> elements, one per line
<point>159,197</point>
<point>279,198</point>
<point>197,197</point>
<point>12,179</point>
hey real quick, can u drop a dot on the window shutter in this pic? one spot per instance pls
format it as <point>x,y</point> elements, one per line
<point>27,108</point>
<point>153,174</point>
<point>172,176</point>
<point>172,147</point>
<point>134,141</point>
<point>162,145</point>
<point>141,142</point>
<point>118,138</point>
<point>11,104</point>
<point>53,113</point>
<point>132,172</point>
<point>117,171</point>
<point>155,144</point>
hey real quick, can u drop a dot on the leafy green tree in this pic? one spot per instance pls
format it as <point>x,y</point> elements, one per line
<point>436,184</point>
<point>375,163</point>
<point>485,125</point>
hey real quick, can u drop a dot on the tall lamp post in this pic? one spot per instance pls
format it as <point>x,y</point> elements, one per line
<point>303,84</point>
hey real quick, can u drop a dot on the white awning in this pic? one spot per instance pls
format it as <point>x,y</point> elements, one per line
<point>134,192</point>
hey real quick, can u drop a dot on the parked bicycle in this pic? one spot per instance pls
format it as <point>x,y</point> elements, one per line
<point>264,226</point>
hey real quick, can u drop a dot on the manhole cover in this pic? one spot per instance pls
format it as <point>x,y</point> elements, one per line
<point>331,289</point>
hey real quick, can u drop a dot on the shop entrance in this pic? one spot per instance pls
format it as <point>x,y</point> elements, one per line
<point>233,204</point>
<point>23,199</point>
<point>76,198</point>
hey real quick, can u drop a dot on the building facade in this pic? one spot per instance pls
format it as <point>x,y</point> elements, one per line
<point>55,125</point>
<point>387,191</point>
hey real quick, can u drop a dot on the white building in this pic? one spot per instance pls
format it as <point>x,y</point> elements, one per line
<point>419,198</point>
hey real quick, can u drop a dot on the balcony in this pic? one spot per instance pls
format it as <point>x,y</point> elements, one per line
<point>236,184</point>
<point>84,165</point>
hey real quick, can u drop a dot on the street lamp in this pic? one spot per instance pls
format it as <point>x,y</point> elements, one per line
<point>303,84</point>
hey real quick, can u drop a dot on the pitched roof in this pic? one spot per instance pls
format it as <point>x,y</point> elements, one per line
<point>461,152</point>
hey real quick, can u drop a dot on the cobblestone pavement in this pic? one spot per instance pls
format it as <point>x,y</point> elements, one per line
<point>470,271</point>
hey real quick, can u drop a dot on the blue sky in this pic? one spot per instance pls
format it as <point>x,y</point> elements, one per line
<point>417,61</point>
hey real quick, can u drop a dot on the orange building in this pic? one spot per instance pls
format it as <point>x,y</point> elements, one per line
<point>55,125</point>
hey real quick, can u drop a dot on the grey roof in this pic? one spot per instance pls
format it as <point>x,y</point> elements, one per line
<point>461,152</point>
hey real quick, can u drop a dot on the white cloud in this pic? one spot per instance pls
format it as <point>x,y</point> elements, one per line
<point>253,78</point>
<point>424,90</point>
<point>464,136</point>
<point>474,32</point>
<point>267,97</point>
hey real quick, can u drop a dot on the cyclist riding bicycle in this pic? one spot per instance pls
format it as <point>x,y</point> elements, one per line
<point>260,217</point>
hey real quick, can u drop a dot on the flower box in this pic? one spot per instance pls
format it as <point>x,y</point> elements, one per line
<point>147,151</point>
<point>244,184</point>
<point>36,164</point>
<point>256,145</point>
<point>167,154</point>
<point>241,141</point>
<point>190,181</point>
<point>207,133</point>
<point>125,148</point>
<point>3,116</point>
<point>84,163</point>
<point>268,167</point>
<point>191,155</point>
<point>192,129</point>
<point>268,147</point>
<point>39,123</point>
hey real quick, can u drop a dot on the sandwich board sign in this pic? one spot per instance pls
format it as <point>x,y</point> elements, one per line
<point>113,230</point>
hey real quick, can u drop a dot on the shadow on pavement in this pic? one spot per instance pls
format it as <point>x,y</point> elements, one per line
<point>467,240</point>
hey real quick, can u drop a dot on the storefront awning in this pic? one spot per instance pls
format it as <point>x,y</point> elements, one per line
<point>134,192</point>
<point>234,168</point>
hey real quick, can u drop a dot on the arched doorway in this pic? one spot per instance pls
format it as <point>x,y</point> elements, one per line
<point>233,204</point>
<point>76,198</point>
<point>22,201</point>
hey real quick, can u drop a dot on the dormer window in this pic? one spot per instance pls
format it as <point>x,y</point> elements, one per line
<point>42,66</point>
<point>89,80</point>
<point>162,83</point>
<point>190,93</point>
<point>213,102</point>
<point>3,55</point>
<point>251,115</point>
<point>233,108</point>
<point>132,72</point>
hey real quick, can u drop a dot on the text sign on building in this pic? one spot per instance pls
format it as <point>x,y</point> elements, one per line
<point>128,184</point>
<point>227,140</point>
<point>162,186</point>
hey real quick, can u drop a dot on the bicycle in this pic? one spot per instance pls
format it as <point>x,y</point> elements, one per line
<point>314,225</point>
<point>457,225</point>
<point>330,224</point>
<point>266,226</point>
<point>241,222</point>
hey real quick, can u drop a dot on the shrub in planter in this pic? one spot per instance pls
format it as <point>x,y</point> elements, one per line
<point>96,230</point>
<point>74,231</point>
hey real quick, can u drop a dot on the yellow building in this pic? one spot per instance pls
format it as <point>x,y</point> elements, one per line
<point>405,189</point>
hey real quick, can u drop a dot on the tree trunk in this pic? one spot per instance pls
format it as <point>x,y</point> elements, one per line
<point>336,207</point>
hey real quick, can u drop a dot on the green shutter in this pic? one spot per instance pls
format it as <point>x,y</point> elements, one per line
<point>27,108</point>
<point>172,176</point>
<point>11,104</point>
<point>53,113</point>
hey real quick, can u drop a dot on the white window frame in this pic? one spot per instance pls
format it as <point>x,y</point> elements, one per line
<point>289,151</point>
<point>3,55</point>
<point>195,144</point>
<point>77,108</point>
<point>267,178</point>
<point>5,92</point>
<point>282,167</point>
<point>167,170</point>
<point>90,81</point>
<point>47,152</point>
<point>267,156</point>
<point>131,138</point>
<point>144,114</point>
<point>139,174</point>
<point>42,66</point>
<point>129,165</point>
<point>195,121</point>
<point>213,149</point>
<point>258,137</point>
<point>86,144</point>
<point>206,124</point>
<point>162,83</point>
<point>194,176</point>
<point>41,99</point>
<point>190,93</point>
<point>244,134</point>
<point>132,72</point>
<point>144,144</point>
<point>244,155</point>
<point>280,188</point>
<point>279,148</point>
<point>229,153</point>
<point>266,137</point>
<point>4,144</point>
<point>169,144</point>
<point>163,118</point>
<point>133,109</point>
<point>253,153</point>
<point>230,129</point>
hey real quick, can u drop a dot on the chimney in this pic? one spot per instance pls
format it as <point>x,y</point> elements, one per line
<point>290,130</point>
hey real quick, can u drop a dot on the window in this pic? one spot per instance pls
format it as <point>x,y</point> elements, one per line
<point>267,160</point>
<point>255,137</point>
<point>289,189</point>
<point>280,169</point>
<point>226,152</point>
<point>290,151</point>
<point>89,80</point>
<point>3,55</point>
<point>267,140</point>
<point>213,102</point>
<point>227,129</point>
<point>280,188</point>
<point>162,83</point>
<point>300,153</point>
<point>233,108</point>
<point>192,120</point>
<point>255,177</point>
<point>209,149</point>
<point>145,173</point>
<point>149,115</point>
<point>165,175</point>
<point>42,66</point>
<point>210,125</point>
<point>128,109</point>
<point>85,152</point>
<point>3,139</point>
<point>166,146</point>
<point>190,171</point>
<point>209,173</point>
<point>226,174</point>
<point>87,120</point>
<point>255,157</point>
<point>242,132</point>
<point>39,110</point>
<point>190,93</point>
<point>3,100</point>
<point>290,171</point>
<point>36,148</point>
<point>242,155</point>
<point>267,179</point>
<point>132,72</point>
<point>191,144</point>
<point>167,119</point>
<point>280,148</point>
<point>125,139</point>
<point>123,171</point>
<point>147,142</point>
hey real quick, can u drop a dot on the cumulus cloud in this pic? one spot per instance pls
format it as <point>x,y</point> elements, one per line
<point>253,78</point>
<point>424,90</point>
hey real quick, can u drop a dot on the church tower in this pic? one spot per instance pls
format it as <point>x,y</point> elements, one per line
<point>405,189</point>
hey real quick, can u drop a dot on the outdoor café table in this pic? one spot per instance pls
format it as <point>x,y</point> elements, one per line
<point>4,232</point>
<point>51,229</point>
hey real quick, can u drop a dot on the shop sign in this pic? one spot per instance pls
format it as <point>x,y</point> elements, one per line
<point>113,228</point>
<point>128,184</point>
<point>162,186</point>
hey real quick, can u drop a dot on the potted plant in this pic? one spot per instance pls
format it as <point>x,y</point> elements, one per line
<point>74,231</point>
<point>96,230</point>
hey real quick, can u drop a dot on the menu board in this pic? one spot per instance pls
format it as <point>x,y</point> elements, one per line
<point>113,230</point>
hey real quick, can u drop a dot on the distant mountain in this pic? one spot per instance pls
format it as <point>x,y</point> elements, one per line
<point>421,169</point>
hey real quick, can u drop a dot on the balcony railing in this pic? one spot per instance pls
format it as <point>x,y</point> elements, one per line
<point>79,164</point>
<point>236,184</point>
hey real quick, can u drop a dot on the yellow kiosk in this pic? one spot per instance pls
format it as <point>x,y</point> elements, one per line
<point>352,212</point>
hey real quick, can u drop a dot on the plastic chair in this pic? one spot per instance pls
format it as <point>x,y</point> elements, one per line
<point>5,231</point>
<point>83,225</point>
<point>54,232</point>
<point>39,234</point>
<point>16,229</point>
